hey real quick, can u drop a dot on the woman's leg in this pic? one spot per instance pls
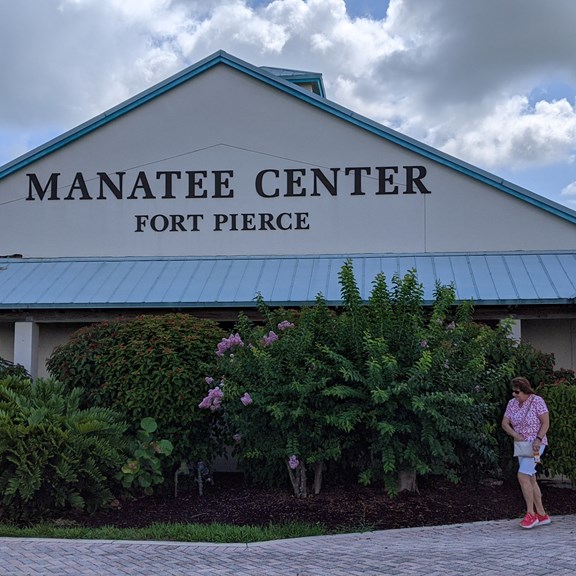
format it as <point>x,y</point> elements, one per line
<point>528,491</point>
<point>537,496</point>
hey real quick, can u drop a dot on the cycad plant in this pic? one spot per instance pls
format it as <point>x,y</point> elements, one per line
<point>53,454</point>
<point>8,368</point>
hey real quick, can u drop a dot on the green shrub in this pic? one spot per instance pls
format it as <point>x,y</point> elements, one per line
<point>430,386</point>
<point>53,454</point>
<point>560,457</point>
<point>538,365</point>
<point>142,471</point>
<point>150,366</point>
<point>8,368</point>
<point>388,387</point>
<point>438,380</point>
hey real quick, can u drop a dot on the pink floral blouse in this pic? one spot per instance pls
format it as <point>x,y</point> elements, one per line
<point>524,419</point>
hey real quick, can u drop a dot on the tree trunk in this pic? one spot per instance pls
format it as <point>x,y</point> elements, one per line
<point>318,469</point>
<point>407,481</point>
<point>298,480</point>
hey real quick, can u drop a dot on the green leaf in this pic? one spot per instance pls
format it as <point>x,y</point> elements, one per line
<point>165,447</point>
<point>149,425</point>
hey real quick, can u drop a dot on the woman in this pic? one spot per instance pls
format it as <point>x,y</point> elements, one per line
<point>527,419</point>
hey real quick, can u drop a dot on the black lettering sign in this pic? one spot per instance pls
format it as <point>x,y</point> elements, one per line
<point>292,180</point>
<point>115,189</point>
<point>385,179</point>
<point>357,178</point>
<point>220,183</point>
<point>411,179</point>
<point>269,183</point>
<point>168,179</point>
<point>196,180</point>
<point>168,222</point>
<point>142,184</point>
<point>261,221</point>
<point>34,183</point>
<point>259,184</point>
<point>79,184</point>
<point>331,186</point>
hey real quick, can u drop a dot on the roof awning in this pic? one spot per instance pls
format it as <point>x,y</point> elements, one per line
<point>233,282</point>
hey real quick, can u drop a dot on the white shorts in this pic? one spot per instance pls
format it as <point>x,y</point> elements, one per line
<point>527,465</point>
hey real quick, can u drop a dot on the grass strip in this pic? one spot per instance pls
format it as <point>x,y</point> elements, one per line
<point>213,533</point>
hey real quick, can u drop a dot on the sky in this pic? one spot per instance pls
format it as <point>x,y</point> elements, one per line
<point>491,82</point>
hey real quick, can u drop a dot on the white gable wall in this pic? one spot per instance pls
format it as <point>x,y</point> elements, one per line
<point>225,121</point>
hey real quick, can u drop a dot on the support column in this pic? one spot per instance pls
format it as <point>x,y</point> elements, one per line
<point>26,335</point>
<point>517,330</point>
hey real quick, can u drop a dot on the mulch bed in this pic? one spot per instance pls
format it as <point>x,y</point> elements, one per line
<point>229,500</point>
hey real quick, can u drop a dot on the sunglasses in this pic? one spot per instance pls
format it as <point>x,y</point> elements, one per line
<point>515,391</point>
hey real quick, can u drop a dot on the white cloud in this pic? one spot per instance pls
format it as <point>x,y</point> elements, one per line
<point>456,74</point>
<point>570,190</point>
<point>569,193</point>
<point>462,78</point>
<point>516,134</point>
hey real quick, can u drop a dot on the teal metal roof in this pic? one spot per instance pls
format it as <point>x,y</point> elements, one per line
<point>275,77</point>
<point>488,279</point>
<point>299,77</point>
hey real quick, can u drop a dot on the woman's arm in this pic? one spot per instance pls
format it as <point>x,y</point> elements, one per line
<point>544,426</point>
<point>507,427</point>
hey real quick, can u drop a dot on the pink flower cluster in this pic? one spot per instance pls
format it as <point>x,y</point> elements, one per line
<point>271,337</point>
<point>293,462</point>
<point>213,400</point>
<point>284,325</point>
<point>227,343</point>
<point>246,399</point>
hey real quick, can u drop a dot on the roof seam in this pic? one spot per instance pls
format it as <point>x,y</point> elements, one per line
<point>544,267</point>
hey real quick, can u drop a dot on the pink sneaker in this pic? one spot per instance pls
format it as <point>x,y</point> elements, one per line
<point>529,521</point>
<point>543,520</point>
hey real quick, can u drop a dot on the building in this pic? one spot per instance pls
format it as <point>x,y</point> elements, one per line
<point>228,179</point>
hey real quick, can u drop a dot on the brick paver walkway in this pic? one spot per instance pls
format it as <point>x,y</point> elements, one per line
<point>479,549</point>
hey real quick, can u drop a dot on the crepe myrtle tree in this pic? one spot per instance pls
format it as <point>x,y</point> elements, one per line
<point>430,378</point>
<point>392,386</point>
<point>286,405</point>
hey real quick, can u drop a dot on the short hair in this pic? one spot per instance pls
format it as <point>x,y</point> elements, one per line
<point>523,384</point>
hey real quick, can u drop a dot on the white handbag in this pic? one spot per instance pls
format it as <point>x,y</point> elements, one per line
<point>523,448</point>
